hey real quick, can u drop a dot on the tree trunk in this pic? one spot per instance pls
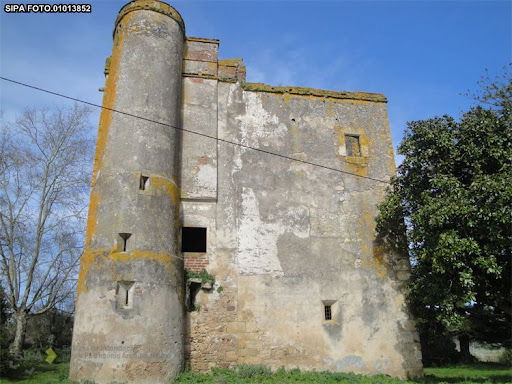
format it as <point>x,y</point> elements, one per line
<point>465,355</point>
<point>20,318</point>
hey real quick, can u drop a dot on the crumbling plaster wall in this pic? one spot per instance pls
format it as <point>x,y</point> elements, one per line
<point>285,236</point>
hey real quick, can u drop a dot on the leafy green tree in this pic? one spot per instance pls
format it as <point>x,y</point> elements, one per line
<point>50,329</point>
<point>450,208</point>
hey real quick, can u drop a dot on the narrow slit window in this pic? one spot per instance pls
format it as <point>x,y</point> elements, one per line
<point>124,292</point>
<point>144,182</point>
<point>353,145</point>
<point>193,239</point>
<point>124,240</point>
<point>328,312</point>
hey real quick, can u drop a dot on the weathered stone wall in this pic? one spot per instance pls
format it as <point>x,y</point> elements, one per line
<point>286,237</point>
<point>199,157</point>
<point>129,323</point>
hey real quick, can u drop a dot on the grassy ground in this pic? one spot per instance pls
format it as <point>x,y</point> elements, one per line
<point>43,373</point>
<point>33,372</point>
<point>476,373</point>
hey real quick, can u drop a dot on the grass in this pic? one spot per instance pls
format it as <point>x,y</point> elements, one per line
<point>475,373</point>
<point>38,372</point>
<point>44,373</point>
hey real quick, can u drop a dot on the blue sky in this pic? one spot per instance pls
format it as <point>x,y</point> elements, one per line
<point>421,54</point>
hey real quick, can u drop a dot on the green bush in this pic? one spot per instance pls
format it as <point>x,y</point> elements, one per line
<point>506,357</point>
<point>247,371</point>
<point>5,361</point>
<point>203,275</point>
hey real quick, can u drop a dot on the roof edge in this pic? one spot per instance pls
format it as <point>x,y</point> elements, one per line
<point>203,40</point>
<point>151,5</point>
<point>303,91</point>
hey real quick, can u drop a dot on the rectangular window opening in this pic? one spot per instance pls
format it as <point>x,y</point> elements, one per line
<point>352,145</point>
<point>193,239</point>
<point>124,240</point>
<point>144,182</point>
<point>328,312</point>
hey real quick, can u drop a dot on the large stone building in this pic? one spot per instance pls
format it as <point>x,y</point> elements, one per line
<point>300,280</point>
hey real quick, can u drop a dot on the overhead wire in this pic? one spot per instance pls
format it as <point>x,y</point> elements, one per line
<point>190,131</point>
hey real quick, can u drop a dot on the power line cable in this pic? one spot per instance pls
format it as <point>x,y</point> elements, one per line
<point>190,131</point>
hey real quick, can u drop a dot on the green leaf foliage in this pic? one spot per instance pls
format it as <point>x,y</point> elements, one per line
<point>450,209</point>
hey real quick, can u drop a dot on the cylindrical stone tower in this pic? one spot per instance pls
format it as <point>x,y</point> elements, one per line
<point>129,312</point>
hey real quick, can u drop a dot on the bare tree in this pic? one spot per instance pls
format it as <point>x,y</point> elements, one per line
<point>44,183</point>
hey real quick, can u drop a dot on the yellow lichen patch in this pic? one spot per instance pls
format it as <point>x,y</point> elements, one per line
<point>107,66</point>
<point>356,169</point>
<point>302,91</point>
<point>364,143</point>
<point>170,263</point>
<point>379,261</point>
<point>151,5</point>
<point>109,101</point>
<point>231,62</point>
<point>86,261</point>
<point>287,97</point>
<point>200,76</point>
<point>91,218</point>
<point>203,40</point>
<point>374,255</point>
<point>124,257</point>
<point>329,108</point>
<point>92,257</point>
<point>212,69</point>
<point>231,70</point>
<point>164,186</point>
<point>353,164</point>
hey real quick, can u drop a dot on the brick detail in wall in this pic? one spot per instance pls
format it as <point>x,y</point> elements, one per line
<point>196,263</point>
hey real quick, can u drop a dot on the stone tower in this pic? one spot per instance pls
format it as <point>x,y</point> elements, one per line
<point>129,313</point>
<point>300,279</point>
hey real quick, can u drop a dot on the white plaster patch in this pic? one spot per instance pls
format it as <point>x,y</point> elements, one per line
<point>237,160</point>
<point>257,239</point>
<point>207,180</point>
<point>257,125</point>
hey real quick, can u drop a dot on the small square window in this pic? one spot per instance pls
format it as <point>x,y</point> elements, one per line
<point>330,310</point>
<point>327,312</point>
<point>352,145</point>
<point>193,239</point>
<point>143,182</point>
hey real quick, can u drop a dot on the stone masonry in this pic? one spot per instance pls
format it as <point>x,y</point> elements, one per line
<point>300,280</point>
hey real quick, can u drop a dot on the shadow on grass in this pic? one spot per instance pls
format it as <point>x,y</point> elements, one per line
<point>462,379</point>
<point>31,369</point>
<point>475,373</point>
